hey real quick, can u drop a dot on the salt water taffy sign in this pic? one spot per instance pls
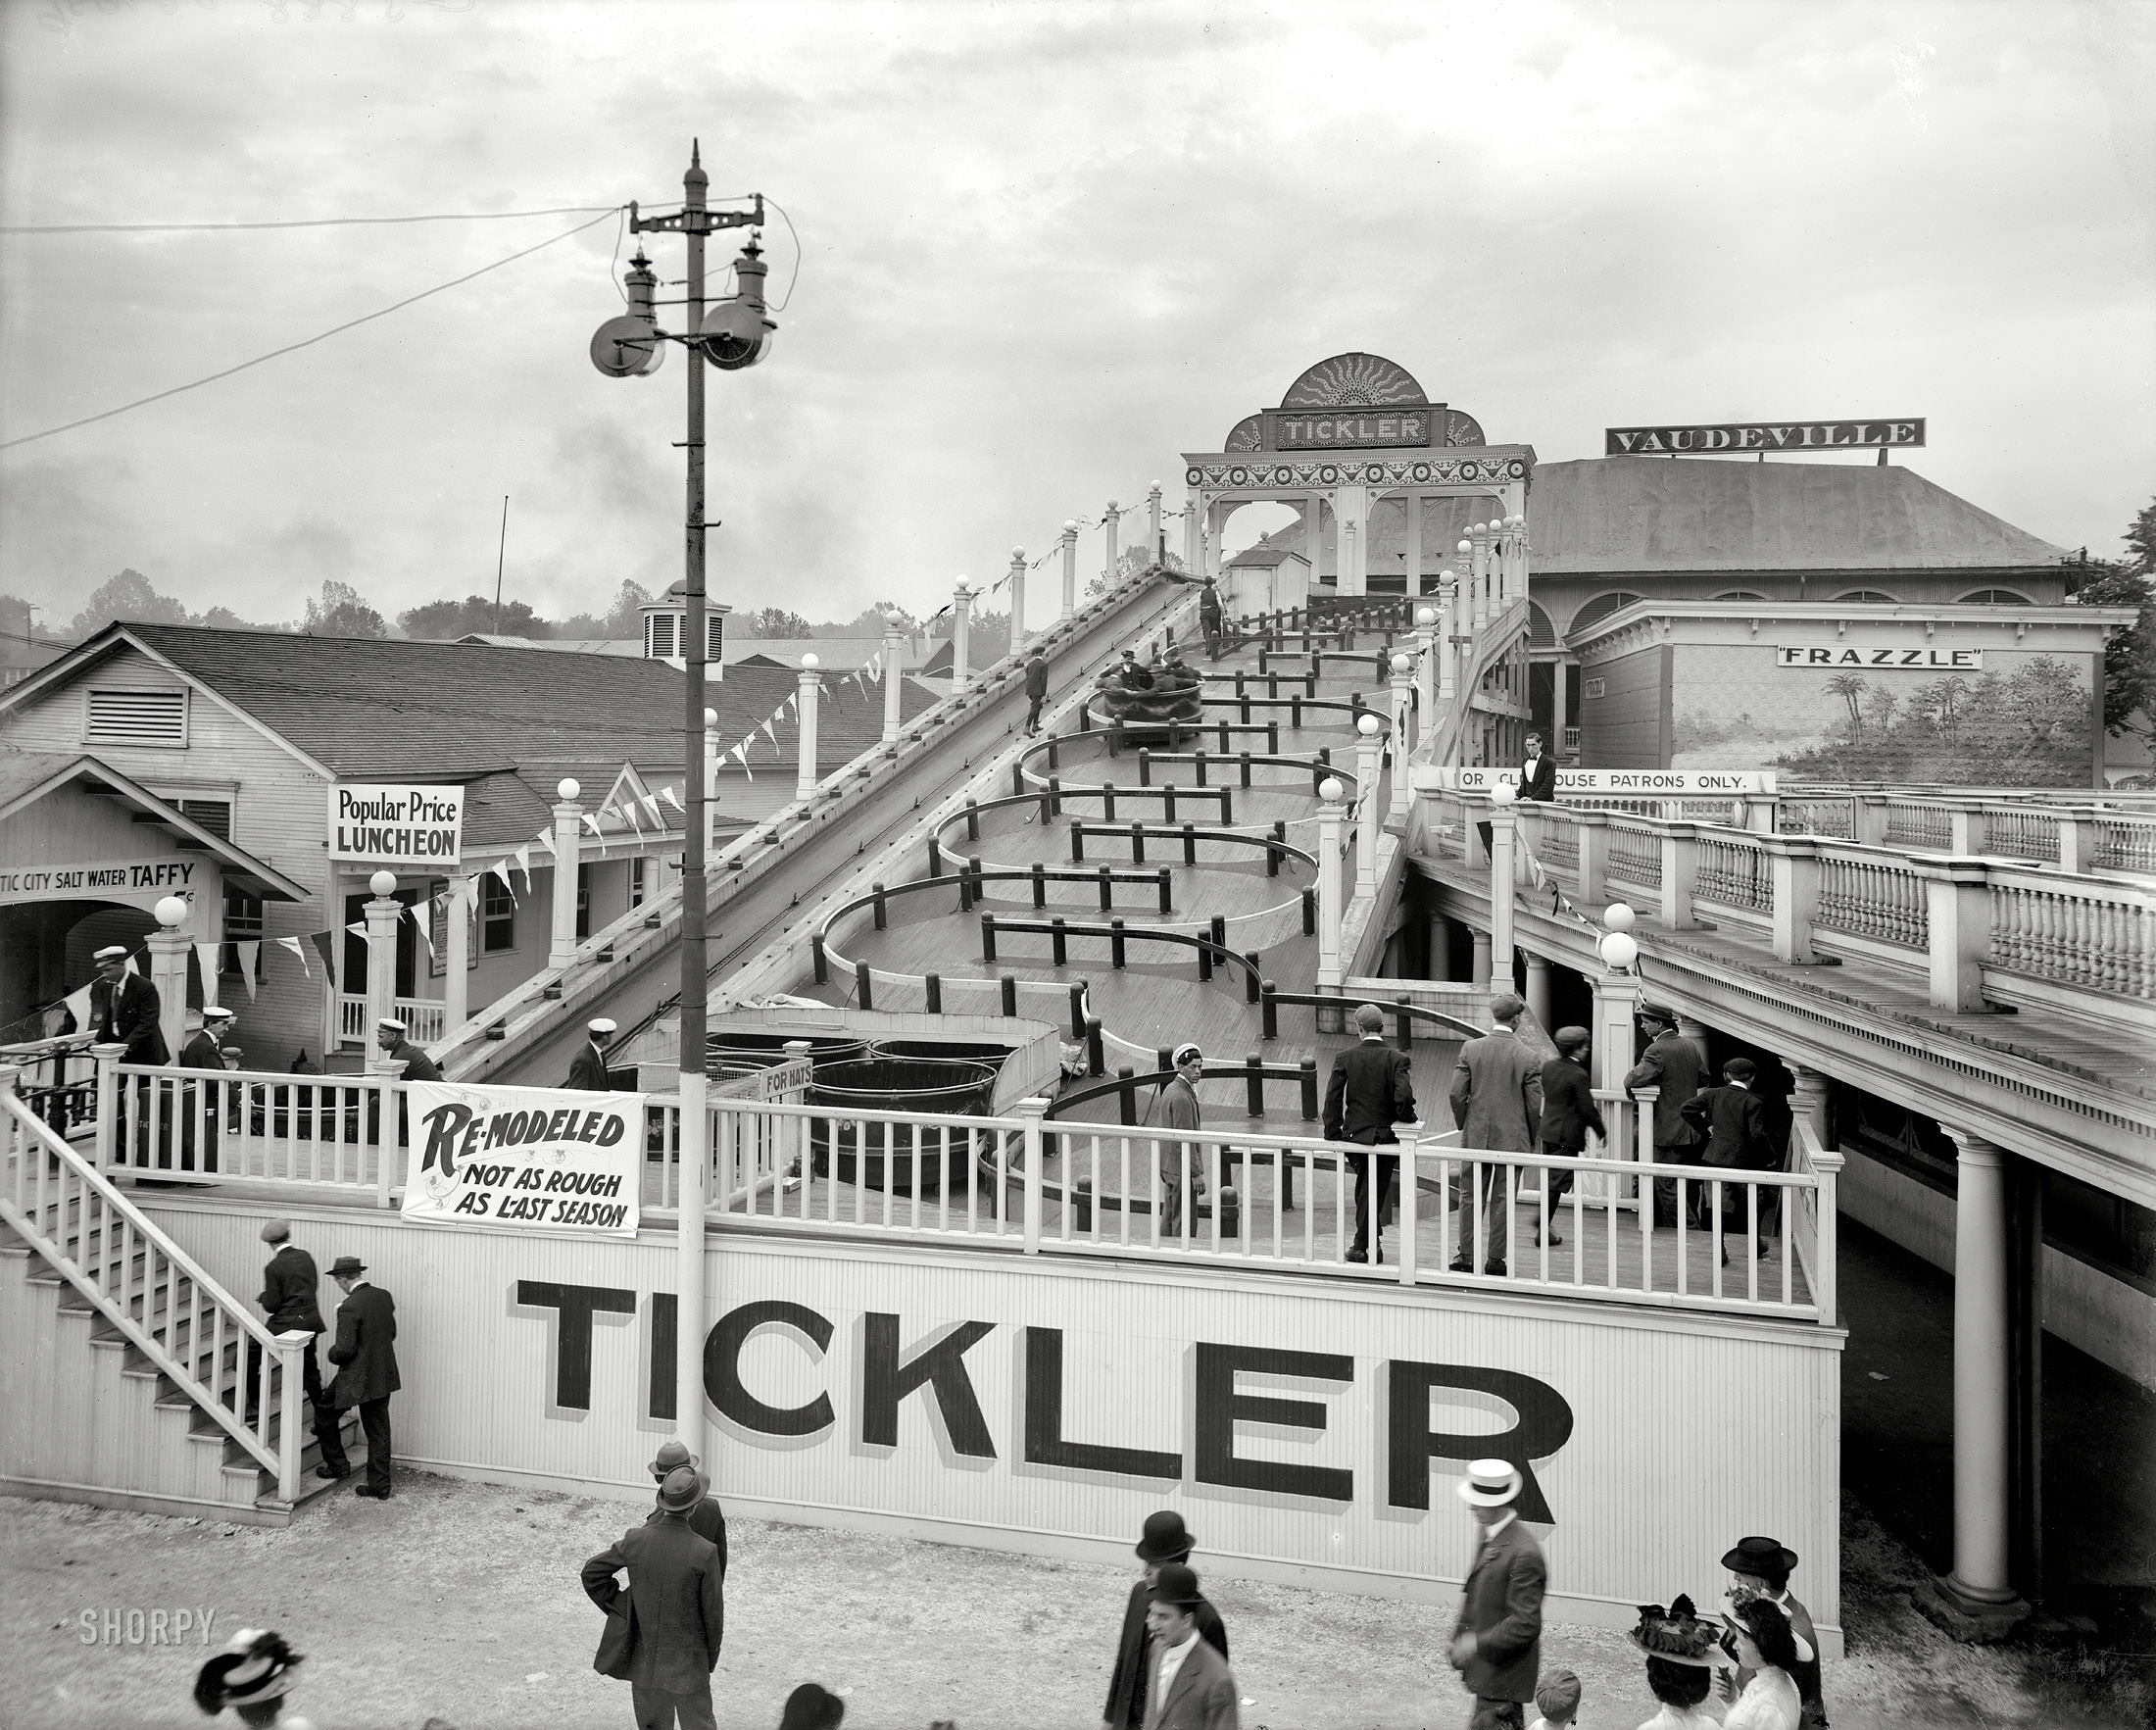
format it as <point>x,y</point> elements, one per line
<point>397,823</point>
<point>523,1156</point>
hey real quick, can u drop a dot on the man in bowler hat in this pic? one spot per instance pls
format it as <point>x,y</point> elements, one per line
<point>662,1634</point>
<point>1761,1568</point>
<point>706,1519</point>
<point>1496,1642</point>
<point>1163,1541</point>
<point>1187,1684</point>
<point>365,1357</point>
<point>290,1305</point>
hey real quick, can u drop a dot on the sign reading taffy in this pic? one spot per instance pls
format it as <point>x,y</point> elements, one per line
<point>1645,782</point>
<point>100,878</point>
<point>1763,435</point>
<point>396,823</point>
<point>524,1156</point>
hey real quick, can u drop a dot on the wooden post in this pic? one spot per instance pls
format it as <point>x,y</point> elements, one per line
<point>805,776</point>
<point>1680,870</point>
<point>1792,863</point>
<point>567,851</point>
<point>1958,905</point>
<point>1070,570</point>
<point>894,683</point>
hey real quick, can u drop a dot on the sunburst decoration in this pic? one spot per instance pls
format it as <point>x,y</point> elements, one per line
<point>1353,381</point>
<point>1462,429</point>
<point>1249,434</point>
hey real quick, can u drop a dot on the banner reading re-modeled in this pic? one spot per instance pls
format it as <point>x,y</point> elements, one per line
<point>524,1156</point>
<point>397,823</point>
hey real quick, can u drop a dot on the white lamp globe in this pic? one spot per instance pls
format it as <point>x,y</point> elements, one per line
<point>1402,665</point>
<point>1368,726</point>
<point>1070,525</point>
<point>1331,791</point>
<point>711,718</point>
<point>569,789</point>
<point>1467,546</point>
<point>1503,793</point>
<point>810,664</point>
<point>1447,578</point>
<point>1617,917</point>
<point>173,910</point>
<point>383,883</point>
<point>1427,615</point>
<point>1114,506</point>
<point>1618,951</point>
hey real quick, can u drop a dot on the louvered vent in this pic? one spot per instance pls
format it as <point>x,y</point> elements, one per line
<point>661,646</point>
<point>137,718</point>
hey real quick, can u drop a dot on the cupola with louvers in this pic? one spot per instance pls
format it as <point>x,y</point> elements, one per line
<point>666,631</point>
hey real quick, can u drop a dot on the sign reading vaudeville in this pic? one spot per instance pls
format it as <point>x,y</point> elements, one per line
<point>1922,658</point>
<point>397,823</point>
<point>1763,435</point>
<point>524,1156</point>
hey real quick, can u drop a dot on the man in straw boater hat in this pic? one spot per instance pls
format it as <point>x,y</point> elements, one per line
<point>588,1067</point>
<point>1497,1640</point>
<point>663,1632</point>
<point>1187,1684</point>
<point>252,1675</point>
<point>1760,1567</point>
<point>1164,1540</point>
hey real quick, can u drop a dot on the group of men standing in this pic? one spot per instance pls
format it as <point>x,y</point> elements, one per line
<point>362,1350</point>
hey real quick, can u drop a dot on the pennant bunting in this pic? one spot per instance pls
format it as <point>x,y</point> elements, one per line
<point>771,732</point>
<point>250,958</point>
<point>500,868</point>
<point>651,807</point>
<point>673,799</point>
<point>421,922</point>
<point>208,957</point>
<point>79,1006</point>
<point>524,863</point>
<point>358,928</point>
<point>546,841</point>
<point>326,946</point>
<point>299,949</point>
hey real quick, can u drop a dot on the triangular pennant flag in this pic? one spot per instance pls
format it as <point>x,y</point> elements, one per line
<point>651,805</point>
<point>770,731</point>
<point>524,863</point>
<point>544,840</point>
<point>207,956</point>
<point>79,1006</point>
<point>500,868</point>
<point>298,949</point>
<point>627,813</point>
<point>358,928</point>
<point>591,820</point>
<point>747,770</point>
<point>250,956</point>
<point>420,923</point>
<point>326,946</point>
<point>673,799</point>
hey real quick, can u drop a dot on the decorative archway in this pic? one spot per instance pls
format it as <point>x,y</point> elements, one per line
<point>1351,430</point>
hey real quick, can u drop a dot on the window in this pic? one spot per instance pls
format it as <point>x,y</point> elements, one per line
<point>135,718</point>
<point>659,636</point>
<point>242,925</point>
<point>1995,598</point>
<point>1870,597</point>
<point>497,916</point>
<point>636,882</point>
<point>1600,608</point>
<point>1740,595</point>
<point>1589,688</point>
<point>583,902</point>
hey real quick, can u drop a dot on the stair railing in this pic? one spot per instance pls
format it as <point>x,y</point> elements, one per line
<point>47,1188</point>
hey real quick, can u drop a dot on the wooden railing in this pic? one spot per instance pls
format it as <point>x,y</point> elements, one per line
<point>426,1017</point>
<point>2047,829</point>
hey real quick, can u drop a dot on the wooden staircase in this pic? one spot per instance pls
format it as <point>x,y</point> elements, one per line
<point>126,1365</point>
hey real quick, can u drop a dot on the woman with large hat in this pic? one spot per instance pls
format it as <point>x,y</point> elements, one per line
<point>1680,1647</point>
<point>252,1675</point>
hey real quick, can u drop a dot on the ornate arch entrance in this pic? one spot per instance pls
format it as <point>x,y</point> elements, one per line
<point>1355,431</point>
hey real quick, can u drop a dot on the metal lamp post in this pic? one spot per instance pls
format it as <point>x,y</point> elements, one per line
<point>736,334</point>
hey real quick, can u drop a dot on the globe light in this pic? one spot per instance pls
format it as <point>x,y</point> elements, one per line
<point>1467,546</point>
<point>1331,791</point>
<point>711,719</point>
<point>1402,665</point>
<point>568,790</point>
<point>1503,793</point>
<point>1617,917</point>
<point>810,664</point>
<point>173,910</point>
<point>1114,506</point>
<point>1368,726</point>
<point>1018,555</point>
<point>383,883</point>
<point>1618,951</point>
<point>1070,525</point>
<point>1425,617</point>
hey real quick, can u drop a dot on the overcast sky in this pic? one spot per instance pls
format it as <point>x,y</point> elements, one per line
<point>1044,249</point>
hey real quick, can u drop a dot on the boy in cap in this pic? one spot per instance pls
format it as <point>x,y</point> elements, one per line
<point>1760,1567</point>
<point>1496,1642</point>
<point>1557,1699</point>
<point>1187,1684</point>
<point>1734,1120</point>
<point>662,1634</point>
<point>1175,1107</point>
<point>588,1068</point>
<point>1162,1541</point>
<point>206,1050</point>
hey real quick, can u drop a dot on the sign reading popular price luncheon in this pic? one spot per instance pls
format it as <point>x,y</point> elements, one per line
<point>524,1156</point>
<point>397,823</point>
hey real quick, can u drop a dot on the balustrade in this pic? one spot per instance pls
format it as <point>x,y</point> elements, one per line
<point>1733,873</point>
<point>2093,936</point>
<point>1872,898</point>
<point>1634,856</point>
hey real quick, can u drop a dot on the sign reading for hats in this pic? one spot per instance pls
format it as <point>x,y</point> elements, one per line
<point>524,1157</point>
<point>397,823</point>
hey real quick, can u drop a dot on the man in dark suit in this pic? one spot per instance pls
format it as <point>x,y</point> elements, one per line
<point>1036,688</point>
<point>205,1049</point>
<point>1762,1567</point>
<point>366,1365</point>
<point>1187,1684</point>
<point>405,1061</point>
<point>706,1519</point>
<point>1732,1119</point>
<point>1162,1542</point>
<point>588,1067</point>
<point>1569,1110</point>
<point>1372,1087</point>
<point>290,1305</point>
<point>1673,1065</point>
<point>664,1633</point>
<point>1497,1101</point>
<point>1209,618</point>
<point>1537,773</point>
<point>200,1105</point>
<point>124,1010</point>
<point>1496,1642</point>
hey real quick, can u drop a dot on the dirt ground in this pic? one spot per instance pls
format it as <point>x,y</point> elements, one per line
<point>460,1602</point>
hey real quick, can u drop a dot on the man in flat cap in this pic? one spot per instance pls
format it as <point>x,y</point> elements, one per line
<point>663,1632</point>
<point>1162,1541</point>
<point>706,1519</point>
<point>1187,1684</point>
<point>290,1305</point>
<point>407,1061</point>
<point>588,1067</point>
<point>365,1357</point>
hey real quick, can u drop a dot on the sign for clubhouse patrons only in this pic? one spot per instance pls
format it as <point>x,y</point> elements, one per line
<point>1643,783</point>
<point>396,823</point>
<point>524,1156</point>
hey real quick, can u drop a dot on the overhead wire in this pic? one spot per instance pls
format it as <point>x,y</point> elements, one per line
<point>501,216</point>
<point>309,343</point>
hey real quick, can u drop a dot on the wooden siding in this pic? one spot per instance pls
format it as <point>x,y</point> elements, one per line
<point>1762,1454</point>
<point>1626,727</point>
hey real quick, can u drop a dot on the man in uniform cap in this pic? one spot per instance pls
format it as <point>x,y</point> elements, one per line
<point>706,1519</point>
<point>290,1305</point>
<point>1163,1541</point>
<point>366,1365</point>
<point>413,1064</point>
<point>588,1067</point>
<point>1187,1684</point>
<point>199,1104</point>
<point>1497,1640</point>
<point>124,1010</point>
<point>206,1050</point>
<point>1671,1064</point>
<point>662,1634</point>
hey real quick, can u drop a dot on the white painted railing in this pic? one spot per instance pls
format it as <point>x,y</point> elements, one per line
<point>2065,830</point>
<point>426,1017</point>
<point>246,1379</point>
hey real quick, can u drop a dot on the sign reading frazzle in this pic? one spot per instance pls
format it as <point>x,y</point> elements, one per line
<point>1805,656</point>
<point>524,1156</point>
<point>1669,783</point>
<point>397,823</point>
<point>1763,435</point>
